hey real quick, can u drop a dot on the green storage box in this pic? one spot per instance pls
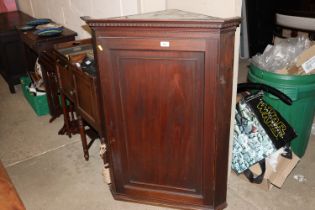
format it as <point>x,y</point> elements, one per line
<point>38,103</point>
<point>300,115</point>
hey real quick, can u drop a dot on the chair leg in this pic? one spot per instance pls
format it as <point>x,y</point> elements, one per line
<point>66,126</point>
<point>83,138</point>
<point>71,111</point>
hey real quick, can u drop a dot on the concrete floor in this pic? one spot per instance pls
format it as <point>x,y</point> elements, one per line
<point>50,173</point>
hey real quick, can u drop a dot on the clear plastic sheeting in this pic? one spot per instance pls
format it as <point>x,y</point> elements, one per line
<point>282,54</point>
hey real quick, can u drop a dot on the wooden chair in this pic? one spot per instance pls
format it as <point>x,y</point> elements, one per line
<point>83,108</point>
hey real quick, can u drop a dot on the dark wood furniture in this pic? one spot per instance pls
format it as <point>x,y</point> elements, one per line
<point>9,198</point>
<point>12,59</point>
<point>80,88</point>
<point>166,89</point>
<point>34,47</point>
<point>35,44</point>
<point>48,61</point>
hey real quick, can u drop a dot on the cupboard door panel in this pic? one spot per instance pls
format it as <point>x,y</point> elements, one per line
<point>160,115</point>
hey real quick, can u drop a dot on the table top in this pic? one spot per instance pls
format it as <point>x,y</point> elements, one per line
<point>41,43</point>
<point>30,36</point>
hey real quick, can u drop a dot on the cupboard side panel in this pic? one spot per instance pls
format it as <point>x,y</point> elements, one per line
<point>223,109</point>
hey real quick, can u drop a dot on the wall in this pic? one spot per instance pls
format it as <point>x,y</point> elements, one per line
<point>68,12</point>
<point>218,8</point>
<point>7,5</point>
<point>151,5</point>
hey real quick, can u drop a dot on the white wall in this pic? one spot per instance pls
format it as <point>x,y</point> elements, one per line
<point>68,12</point>
<point>151,5</point>
<point>218,8</point>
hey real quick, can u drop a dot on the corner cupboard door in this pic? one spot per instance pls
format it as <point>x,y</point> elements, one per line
<point>154,108</point>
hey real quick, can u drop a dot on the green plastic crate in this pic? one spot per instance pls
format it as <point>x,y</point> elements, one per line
<point>38,103</point>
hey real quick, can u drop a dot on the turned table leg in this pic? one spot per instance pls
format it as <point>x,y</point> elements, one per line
<point>66,126</point>
<point>83,138</point>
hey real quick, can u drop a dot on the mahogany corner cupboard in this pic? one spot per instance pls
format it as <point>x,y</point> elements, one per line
<point>166,89</point>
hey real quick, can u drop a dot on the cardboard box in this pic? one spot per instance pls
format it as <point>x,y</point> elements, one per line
<point>305,63</point>
<point>305,55</point>
<point>271,178</point>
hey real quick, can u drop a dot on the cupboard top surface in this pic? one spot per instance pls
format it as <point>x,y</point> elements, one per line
<point>166,18</point>
<point>170,14</point>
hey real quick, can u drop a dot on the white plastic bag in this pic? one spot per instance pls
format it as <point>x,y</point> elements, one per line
<point>281,55</point>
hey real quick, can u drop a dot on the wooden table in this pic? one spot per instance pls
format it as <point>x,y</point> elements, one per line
<point>35,44</point>
<point>81,90</point>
